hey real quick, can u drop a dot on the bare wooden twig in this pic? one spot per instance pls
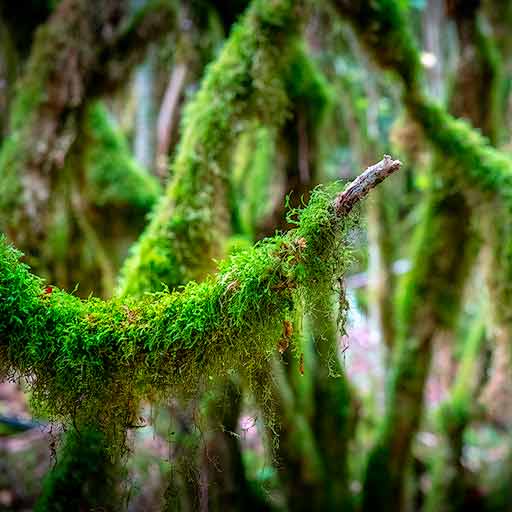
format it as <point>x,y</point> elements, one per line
<point>168,116</point>
<point>360,187</point>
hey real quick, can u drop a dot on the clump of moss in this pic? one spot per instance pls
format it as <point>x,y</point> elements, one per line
<point>100,358</point>
<point>187,228</point>
<point>307,86</point>
<point>251,179</point>
<point>113,178</point>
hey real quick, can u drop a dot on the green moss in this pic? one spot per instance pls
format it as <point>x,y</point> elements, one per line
<point>306,85</point>
<point>113,178</point>
<point>189,225</point>
<point>435,256</point>
<point>83,478</point>
<point>98,357</point>
<point>251,179</point>
<point>382,26</point>
<point>99,176</point>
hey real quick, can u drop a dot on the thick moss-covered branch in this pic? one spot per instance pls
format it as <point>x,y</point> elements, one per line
<point>383,29</point>
<point>189,225</point>
<point>96,355</point>
<point>468,171</point>
<point>69,51</point>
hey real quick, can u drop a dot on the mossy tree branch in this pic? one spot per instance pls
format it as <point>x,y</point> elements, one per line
<point>96,357</point>
<point>188,228</point>
<point>469,167</point>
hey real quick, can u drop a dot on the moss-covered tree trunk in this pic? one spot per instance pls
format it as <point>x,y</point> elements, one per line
<point>426,304</point>
<point>45,209</point>
<point>193,221</point>
<point>477,96</point>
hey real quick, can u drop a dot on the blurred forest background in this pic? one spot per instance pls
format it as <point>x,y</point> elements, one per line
<point>144,141</point>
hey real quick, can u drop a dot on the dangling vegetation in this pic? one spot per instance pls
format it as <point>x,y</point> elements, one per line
<point>92,356</point>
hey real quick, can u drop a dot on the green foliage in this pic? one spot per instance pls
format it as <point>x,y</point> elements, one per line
<point>96,358</point>
<point>307,86</point>
<point>113,178</point>
<point>187,228</point>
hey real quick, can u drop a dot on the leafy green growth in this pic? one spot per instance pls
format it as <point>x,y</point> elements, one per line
<point>113,178</point>
<point>96,358</point>
<point>101,166</point>
<point>307,87</point>
<point>189,225</point>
